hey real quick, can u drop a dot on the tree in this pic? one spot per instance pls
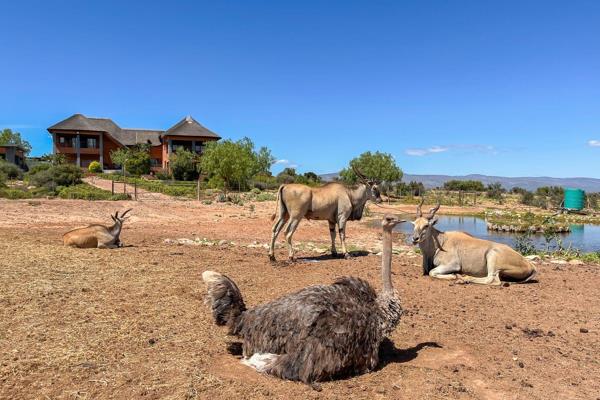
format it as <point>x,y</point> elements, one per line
<point>7,136</point>
<point>288,175</point>
<point>264,161</point>
<point>119,157</point>
<point>138,162</point>
<point>495,191</point>
<point>231,164</point>
<point>183,164</point>
<point>377,166</point>
<point>465,186</point>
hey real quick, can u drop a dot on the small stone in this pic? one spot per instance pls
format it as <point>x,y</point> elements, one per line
<point>508,326</point>
<point>521,365</point>
<point>506,284</point>
<point>583,330</point>
<point>152,341</point>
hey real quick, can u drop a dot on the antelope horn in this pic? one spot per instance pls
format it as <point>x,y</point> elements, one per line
<point>419,212</point>
<point>434,210</point>
<point>358,173</point>
<point>126,211</point>
<point>117,214</point>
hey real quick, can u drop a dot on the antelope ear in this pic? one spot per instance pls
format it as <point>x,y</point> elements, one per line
<point>413,223</point>
<point>432,222</point>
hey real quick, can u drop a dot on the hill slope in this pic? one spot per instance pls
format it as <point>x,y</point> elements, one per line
<point>529,183</point>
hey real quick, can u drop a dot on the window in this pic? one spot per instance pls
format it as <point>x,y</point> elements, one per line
<point>92,143</point>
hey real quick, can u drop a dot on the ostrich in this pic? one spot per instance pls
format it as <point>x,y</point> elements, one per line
<point>320,332</point>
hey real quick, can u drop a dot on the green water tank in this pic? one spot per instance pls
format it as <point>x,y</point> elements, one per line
<point>574,199</point>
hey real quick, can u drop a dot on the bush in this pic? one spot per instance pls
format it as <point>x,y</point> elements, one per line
<point>84,191</point>
<point>266,197</point>
<point>95,167</point>
<point>465,186</point>
<point>183,165</point>
<point>255,191</point>
<point>138,162</point>
<point>163,175</point>
<point>10,170</point>
<point>57,175</point>
<point>264,182</point>
<point>527,198</point>
<point>37,168</point>
<point>14,194</point>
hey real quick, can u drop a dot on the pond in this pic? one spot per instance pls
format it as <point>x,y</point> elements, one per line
<point>583,237</point>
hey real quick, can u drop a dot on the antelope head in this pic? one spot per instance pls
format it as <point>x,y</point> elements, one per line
<point>371,184</point>
<point>424,223</point>
<point>119,219</point>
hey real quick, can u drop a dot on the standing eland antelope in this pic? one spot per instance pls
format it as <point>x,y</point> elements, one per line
<point>100,236</point>
<point>458,255</point>
<point>332,202</point>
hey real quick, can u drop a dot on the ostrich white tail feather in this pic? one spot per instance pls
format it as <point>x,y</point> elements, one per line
<point>260,361</point>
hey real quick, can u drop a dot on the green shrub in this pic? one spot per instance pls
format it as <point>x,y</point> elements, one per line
<point>10,170</point>
<point>37,168</point>
<point>14,194</point>
<point>57,175</point>
<point>95,167</point>
<point>163,175</point>
<point>255,191</point>
<point>264,182</point>
<point>83,191</point>
<point>183,165</point>
<point>266,197</point>
<point>138,162</point>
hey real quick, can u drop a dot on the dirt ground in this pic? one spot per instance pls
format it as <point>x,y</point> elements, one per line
<point>131,323</point>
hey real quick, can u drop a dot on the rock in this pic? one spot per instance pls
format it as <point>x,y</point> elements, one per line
<point>576,262</point>
<point>222,242</point>
<point>533,257</point>
<point>521,365</point>
<point>559,262</point>
<point>583,330</point>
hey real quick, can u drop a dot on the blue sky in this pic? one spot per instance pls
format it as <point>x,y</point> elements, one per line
<point>447,87</point>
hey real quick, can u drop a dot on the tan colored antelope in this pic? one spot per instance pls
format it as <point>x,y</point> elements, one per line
<point>100,236</point>
<point>332,202</point>
<point>458,255</point>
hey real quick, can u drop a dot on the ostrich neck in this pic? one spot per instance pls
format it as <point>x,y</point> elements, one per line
<point>386,262</point>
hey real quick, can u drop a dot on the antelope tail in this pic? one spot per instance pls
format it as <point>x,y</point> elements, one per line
<point>280,205</point>
<point>225,300</point>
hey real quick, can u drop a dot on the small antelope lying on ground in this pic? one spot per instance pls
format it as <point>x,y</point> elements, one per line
<point>100,236</point>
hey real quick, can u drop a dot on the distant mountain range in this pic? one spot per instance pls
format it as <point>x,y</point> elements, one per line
<point>530,183</point>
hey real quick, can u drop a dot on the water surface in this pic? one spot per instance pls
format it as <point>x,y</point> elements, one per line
<point>584,237</point>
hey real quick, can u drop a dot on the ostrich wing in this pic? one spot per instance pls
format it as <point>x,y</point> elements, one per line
<point>334,314</point>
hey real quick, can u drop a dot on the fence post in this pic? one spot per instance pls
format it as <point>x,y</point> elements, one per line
<point>198,190</point>
<point>475,198</point>
<point>124,187</point>
<point>135,190</point>
<point>112,188</point>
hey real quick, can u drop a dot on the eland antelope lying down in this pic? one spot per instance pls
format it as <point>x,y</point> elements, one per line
<point>100,236</point>
<point>458,255</point>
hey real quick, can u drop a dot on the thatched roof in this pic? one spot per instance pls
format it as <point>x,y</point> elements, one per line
<point>128,137</point>
<point>190,127</point>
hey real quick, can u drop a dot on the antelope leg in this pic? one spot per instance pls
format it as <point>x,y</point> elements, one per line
<point>446,272</point>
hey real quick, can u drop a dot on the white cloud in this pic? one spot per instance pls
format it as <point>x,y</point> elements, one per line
<point>594,143</point>
<point>286,163</point>
<point>469,148</point>
<point>423,152</point>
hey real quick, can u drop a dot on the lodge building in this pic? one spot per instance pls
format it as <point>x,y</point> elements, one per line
<point>84,139</point>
